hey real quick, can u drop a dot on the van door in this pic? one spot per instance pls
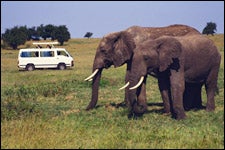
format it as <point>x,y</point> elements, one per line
<point>47,59</point>
<point>64,57</point>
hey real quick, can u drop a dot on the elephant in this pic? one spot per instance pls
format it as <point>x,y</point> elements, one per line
<point>117,48</point>
<point>175,61</point>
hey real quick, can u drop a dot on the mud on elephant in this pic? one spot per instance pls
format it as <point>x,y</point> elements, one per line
<point>117,49</point>
<point>175,61</point>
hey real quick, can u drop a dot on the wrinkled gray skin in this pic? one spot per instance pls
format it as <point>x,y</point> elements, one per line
<point>175,61</point>
<point>117,49</point>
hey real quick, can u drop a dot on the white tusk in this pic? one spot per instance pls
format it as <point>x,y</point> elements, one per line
<point>138,84</point>
<point>91,76</point>
<point>126,85</point>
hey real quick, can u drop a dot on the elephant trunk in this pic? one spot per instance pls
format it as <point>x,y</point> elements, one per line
<point>137,80</point>
<point>95,87</point>
<point>136,106</point>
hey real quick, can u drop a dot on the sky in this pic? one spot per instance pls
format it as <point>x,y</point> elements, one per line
<point>103,17</point>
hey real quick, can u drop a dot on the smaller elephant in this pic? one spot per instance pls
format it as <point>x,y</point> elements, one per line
<point>175,61</point>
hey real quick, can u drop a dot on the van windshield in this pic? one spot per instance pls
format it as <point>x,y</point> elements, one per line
<point>62,53</point>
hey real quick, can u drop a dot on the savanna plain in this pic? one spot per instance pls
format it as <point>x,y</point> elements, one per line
<point>46,108</point>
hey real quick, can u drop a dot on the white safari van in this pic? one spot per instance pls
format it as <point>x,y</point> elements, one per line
<point>45,55</point>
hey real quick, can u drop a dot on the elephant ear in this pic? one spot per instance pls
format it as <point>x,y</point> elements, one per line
<point>169,49</point>
<point>123,47</point>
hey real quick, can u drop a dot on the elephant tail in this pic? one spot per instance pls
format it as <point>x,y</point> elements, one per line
<point>217,90</point>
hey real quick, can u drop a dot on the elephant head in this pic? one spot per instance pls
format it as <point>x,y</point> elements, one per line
<point>114,49</point>
<point>155,55</point>
<point>151,56</point>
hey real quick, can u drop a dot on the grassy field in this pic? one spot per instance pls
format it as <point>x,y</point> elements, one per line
<point>45,109</point>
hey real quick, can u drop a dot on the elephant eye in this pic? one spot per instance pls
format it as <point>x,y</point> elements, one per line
<point>145,57</point>
<point>103,50</point>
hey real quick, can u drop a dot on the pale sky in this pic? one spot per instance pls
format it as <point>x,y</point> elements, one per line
<point>103,17</point>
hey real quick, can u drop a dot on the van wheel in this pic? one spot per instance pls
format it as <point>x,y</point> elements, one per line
<point>30,67</point>
<point>61,66</point>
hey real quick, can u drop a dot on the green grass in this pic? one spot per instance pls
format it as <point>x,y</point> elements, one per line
<point>46,109</point>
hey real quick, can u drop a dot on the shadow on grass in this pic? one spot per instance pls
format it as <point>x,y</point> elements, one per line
<point>154,108</point>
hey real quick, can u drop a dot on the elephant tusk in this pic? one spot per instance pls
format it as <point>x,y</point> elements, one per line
<point>138,84</point>
<point>92,75</point>
<point>90,79</point>
<point>126,85</point>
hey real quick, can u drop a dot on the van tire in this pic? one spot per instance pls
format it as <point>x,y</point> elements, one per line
<point>61,66</point>
<point>30,67</point>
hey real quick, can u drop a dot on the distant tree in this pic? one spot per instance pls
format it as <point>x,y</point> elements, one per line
<point>49,29</point>
<point>15,36</point>
<point>53,33</point>
<point>46,31</point>
<point>62,34</point>
<point>32,34</point>
<point>88,34</point>
<point>209,29</point>
<point>41,31</point>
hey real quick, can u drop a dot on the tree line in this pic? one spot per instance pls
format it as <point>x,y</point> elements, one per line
<point>19,35</point>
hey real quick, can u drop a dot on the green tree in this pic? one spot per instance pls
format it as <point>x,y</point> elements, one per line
<point>62,34</point>
<point>209,29</point>
<point>88,35</point>
<point>15,36</point>
<point>41,31</point>
<point>46,31</point>
<point>31,33</point>
<point>49,29</point>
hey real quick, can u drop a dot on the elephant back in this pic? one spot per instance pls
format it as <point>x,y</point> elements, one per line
<point>141,34</point>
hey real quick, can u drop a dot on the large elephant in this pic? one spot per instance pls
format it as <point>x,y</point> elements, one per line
<point>117,49</point>
<point>175,61</point>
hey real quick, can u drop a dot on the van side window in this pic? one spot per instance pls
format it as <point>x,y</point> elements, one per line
<point>29,54</point>
<point>62,53</point>
<point>47,53</point>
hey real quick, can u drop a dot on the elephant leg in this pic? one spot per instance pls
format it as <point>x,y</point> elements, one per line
<point>192,96</point>
<point>187,97</point>
<point>137,105</point>
<point>126,97</point>
<point>163,83</point>
<point>177,90</point>
<point>166,101</point>
<point>126,100</point>
<point>197,93</point>
<point>132,97</point>
<point>211,87</point>
<point>124,103</point>
<point>141,98</point>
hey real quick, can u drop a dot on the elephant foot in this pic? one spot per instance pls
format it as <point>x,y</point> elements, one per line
<point>140,108</point>
<point>178,115</point>
<point>89,107</point>
<point>166,111</point>
<point>134,116</point>
<point>199,107</point>
<point>210,108</point>
<point>137,111</point>
<point>196,106</point>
